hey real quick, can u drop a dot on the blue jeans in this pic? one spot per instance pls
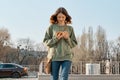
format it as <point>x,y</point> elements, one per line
<point>65,68</point>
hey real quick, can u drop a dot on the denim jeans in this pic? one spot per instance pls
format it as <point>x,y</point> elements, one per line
<point>65,68</point>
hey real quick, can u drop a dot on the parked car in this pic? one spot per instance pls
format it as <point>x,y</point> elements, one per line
<point>12,70</point>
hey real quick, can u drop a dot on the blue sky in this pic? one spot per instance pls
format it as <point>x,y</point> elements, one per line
<point>30,18</point>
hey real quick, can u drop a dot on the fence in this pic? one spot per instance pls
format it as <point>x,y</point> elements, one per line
<point>78,71</point>
<point>106,67</point>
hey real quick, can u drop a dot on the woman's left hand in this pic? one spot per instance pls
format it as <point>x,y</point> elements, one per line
<point>65,35</point>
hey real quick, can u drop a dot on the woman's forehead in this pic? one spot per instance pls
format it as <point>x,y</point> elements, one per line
<point>60,14</point>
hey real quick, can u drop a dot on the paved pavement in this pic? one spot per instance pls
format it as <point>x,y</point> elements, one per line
<point>85,77</point>
<point>23,78</point>
<point>19,79</point>
<point>72,77</point>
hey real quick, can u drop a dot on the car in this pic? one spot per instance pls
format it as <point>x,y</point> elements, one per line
<point>12,70</point>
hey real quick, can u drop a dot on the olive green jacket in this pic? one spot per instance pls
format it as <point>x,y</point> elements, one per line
<point>61,49</point>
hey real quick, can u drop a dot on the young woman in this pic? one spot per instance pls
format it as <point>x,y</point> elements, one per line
<point>60,39</point>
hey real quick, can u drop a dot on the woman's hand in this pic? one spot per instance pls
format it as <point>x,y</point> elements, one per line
<point>59,34</point>
<point>65,35</point>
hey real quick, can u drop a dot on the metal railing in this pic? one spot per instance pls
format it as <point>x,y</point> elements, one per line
<point>112,67</point>
<point>78,71</point>
<point>78,68</point>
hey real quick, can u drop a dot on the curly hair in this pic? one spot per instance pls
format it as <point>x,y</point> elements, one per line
<point>53,18</point>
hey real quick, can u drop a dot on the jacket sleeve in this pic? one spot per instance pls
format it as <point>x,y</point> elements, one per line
<point>49,39</point>
<point>72,39</point>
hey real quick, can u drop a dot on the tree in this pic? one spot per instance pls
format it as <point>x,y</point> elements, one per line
<point>24,46</point>
<point>92,48</point>
<point>90,44</point>
<point>4,40</point>
<point>115,49</point>
<point>80,50</point>
<point>40,47</point>
<point>101,44</point>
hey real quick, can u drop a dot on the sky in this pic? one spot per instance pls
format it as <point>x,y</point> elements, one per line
<point>30,18</point>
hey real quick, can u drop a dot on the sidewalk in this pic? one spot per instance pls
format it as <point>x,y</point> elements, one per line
<point>85,77</point>
<point>19,79</point>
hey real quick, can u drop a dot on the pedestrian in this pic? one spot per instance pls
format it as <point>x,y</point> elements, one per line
<point>60,39</point>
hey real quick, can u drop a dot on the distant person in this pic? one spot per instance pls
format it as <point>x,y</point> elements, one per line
<point>60,39</point>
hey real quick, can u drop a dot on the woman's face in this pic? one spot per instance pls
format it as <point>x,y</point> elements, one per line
<point>61,18</point>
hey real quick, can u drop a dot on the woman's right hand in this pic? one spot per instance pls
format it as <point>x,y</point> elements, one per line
<point>59,34</point>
